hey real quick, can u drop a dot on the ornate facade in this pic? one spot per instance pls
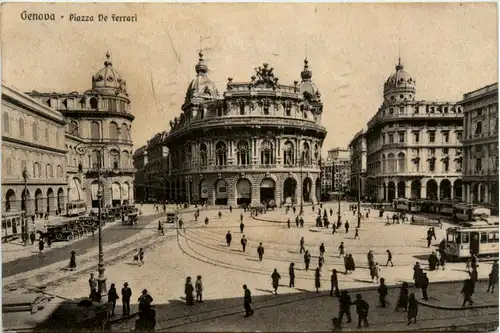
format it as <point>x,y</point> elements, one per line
<point>341,168</point>
<point>481,145</point>
<point>259,141</point>
<point>413,147</point>
<point>357,148</point>
<point>98,124</point>
<point>32,139</point>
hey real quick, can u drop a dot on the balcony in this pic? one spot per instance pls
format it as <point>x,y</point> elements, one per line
<point>380,118</point>
<point>244,167</point>
<point>103,170</point>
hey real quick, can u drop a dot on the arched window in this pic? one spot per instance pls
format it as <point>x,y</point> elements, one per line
<point>21,127</point>
<point>35,131</point>
<point>115,159</point>
<point>93,103</point>
<point>113,130</point>
<point>306,154</point>
<point>221,153</point>
<point>95,132</point>
<point>288,154</point>
<point>401,162</point>
<point>125,132</point>
<point>6,124</point>
<point>242,109</point>
<point>266,152</point>
<point>73,128</point>
<point>391,163</point>
<point>203,155</point>
<point>243,153</point>
<point>316,152</point>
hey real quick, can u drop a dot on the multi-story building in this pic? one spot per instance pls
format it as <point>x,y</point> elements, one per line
<point>413,147</point>
<point>481,145</point>
<point>326,177</point>
<point>340,162</point>
<point>259,141</point>
<point>32,148</point>
<point>357,148</point>
<point>140,158</point>
<point>97,131</point>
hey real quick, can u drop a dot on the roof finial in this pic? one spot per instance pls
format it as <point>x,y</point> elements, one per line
<point>306,51</point>
<point>399,65</point>
<point>108,60</point>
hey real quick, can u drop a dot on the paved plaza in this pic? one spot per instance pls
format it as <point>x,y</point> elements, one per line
<point>201,249</point>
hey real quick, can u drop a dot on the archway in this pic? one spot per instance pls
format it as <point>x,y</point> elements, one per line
<point>391,195</point>
<point>306,189</point>
<point>221,192</point>
<point>267,190</point>
<point>445,189</point>
<point>38,201</point>
<point>244,191</point>
<point>116,194</point>
<point>457,189</point>
<point>416,187</point>
<point>318,189</point>
<point>289,190</point>
<point>401,189</point>
<point>10,199</point>
<point>203,191</point>
<point>60,200</point>
<point>50,200</point>
<point>431,190</point>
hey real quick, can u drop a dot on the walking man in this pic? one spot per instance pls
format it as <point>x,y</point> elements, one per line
<point>260,251</point>
<point>346,227</point>
<point>362,310</point>
<point>291,273</point>
<point>302,245</point>
<point>334,283</point>
<point>242,226</point>
<point>322,248</point>
<point>382,293</point>
<point>307,259</point>
<point>424,285</point>
<point>468,291</point>
<point>228,238</point>
<point>276,277</point>
<point>247,301</point>
<point>345,306</point>
<point>493,277</point>
<point>243,243</point>
<point>389,258</point>
<point>126,295</point>
<point>356,233</point>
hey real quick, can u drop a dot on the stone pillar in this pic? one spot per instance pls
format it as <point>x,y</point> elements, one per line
<point>255,193</point>
<point>423,193</point>
<point>468,198</point>
<point>438,191</point>
<point>452,194</point>
<point>386,194</point>
<point>278,191</point>
<point>231,190</point>
<point>408,189</point>
<point>486,194</point>
<point>312,194</point>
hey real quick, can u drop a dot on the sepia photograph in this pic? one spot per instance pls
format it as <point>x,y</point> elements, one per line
<point>246,167</point>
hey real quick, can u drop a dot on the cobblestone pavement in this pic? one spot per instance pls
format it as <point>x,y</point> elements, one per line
<point>201,249</point>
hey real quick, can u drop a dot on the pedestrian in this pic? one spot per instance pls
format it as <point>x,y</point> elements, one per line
<point>220,214</point>
<point>188,291</point>
<point>160,228</point>
<point>473,276</point>
<point>317,279</point>
<point>301,220</point>
<point>321,260</point>
<point>141,257</point>
<point>333,228</point>
<point>72,261</point>
<point>468,291</point>
<point>341,249</point>
<point>199,289</point>
<point>322,248</point>
<point>242,226</point>
<point>230,209</point>
<point>493,277</point>
<point>126,295</point>
<point>474,261</point>
<point>433,232</point>
<point>389,258</point>
<point>92,286</point>
<point>49,241</point>
<point>228,238</point>
<point>32,237</point>
<point>374,270</point>
<point>429,239</point>
<point>112,297</point>
<point>345,306</point>
<point>307,259</point>
<point>276,280</point>
<point>417,274</point>
<point>243,243</point>
<point>206,220</point>
<point>241,217</point>
<point>424,285</point>
<point>371,258</point>
<point>331,212</point>
<point>260,251</point>
<point>346,226</point>
<point>403,298</point>
<point>291,273</point>
<point>302,245</point>
<point>412,309</point>
<point>334,283</point>
<point>247,301</point>
<point>296,221</point>
<point>362,309</point>
<point>288,223</point>
<point>145,301</point>
<point>356,233</point>
<point>382,293</point>
<point>433,261</point>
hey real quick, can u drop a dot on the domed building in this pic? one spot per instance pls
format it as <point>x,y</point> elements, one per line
<point>98,124</point>
<point>257,142</point>
<point>413,147</point>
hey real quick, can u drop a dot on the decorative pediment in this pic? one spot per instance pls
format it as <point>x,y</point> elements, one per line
<point>219,176</point>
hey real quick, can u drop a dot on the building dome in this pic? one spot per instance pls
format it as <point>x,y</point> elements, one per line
<point>306,86</point>
<point>109,78</point>
<point>201,86</point>
<point>400,83</point>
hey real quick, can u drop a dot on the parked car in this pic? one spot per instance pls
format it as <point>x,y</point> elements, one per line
<point>172,217</point>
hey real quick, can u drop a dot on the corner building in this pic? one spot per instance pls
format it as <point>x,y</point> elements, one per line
<point>259,141</point>
<point>413,147</point>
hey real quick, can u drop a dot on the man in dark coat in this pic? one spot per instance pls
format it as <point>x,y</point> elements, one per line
<point>346,227</point>
<point>260,251</point>
<point>228,238</point>
<point>424,285</point>
<point>429,238</point>
<point>243,243</point>
<point>247,301</point>
<point>126,295</point>
<point>297,221</point>
<point>362,309</point>
<point>468,291</point>
<point>345,306</point>
<point>302,245</point>
<point>382,293</point>
<point>334,283</point>
<point>242,227</point>
<point>433,261</point>
<point>291,273</point>
<point>307,259</point>
<point>322,248</point>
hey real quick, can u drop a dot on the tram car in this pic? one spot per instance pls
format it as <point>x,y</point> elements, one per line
<point>76,208</point>
<point>407,205</point>
<point>480,239</point>
<point>12,225</point>
<point>446,208</point>
<point>465,212</point>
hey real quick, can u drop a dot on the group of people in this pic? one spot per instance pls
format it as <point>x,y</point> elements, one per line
<point>189,290</point>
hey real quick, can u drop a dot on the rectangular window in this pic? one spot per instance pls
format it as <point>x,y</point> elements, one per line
<point>401,110</point>
<point>479,149</point>
<point>479,127</point>
<point>391,138</point>
<point>479,112</point>
<point>432,151</point>
<point>416,109</point>
<point>432,136</point>
<point>484,237</point>
<point>391,111</point>
<point>416,137</point>
<point>445,151</point>
<point>459,136</point>
<point>401,137</point>
<point>465,237</point>
<point>479,162</point>
<point>446,137</point>
<point>432,165</point>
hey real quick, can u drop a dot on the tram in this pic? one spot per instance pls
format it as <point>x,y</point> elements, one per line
<point>407,205</point>
<point>76,208</point>
<point>480,239</point>
<point>465,212</point>
<point>12,225</point>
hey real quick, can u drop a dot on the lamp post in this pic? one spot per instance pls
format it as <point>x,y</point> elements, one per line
<point>301,184</point>
<point>359,201</point>
<point>25,193</point>
<point>98,146</point>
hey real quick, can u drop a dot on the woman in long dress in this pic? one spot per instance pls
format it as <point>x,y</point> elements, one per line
<point>412,309</point>
<point>403,298</point>
<point>317,280</point>
<point>72,261</point>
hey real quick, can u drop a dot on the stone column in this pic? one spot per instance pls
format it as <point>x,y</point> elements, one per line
<point>486,194</point>
<point>423,193</point>
<point>312,194</point>
<point>278,191</point>
<point>386,194</point>
<point>452,194</point>
<point>468,198</point>
<point>407,189</point>
<point>438,190</point>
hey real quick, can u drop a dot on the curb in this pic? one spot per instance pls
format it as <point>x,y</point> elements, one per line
<point>454,307</point>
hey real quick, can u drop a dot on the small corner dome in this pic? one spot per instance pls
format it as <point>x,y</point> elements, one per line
<point>201,85</point>
<point>399,81</point>
<point>306,86</point>
<point>108,77</point>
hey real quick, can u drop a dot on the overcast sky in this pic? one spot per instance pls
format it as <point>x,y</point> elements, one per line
<point>449,49</point>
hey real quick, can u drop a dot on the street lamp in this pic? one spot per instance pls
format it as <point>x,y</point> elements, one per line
<point>98,146</point>
<point>359,201</point>
<point>25,193</point>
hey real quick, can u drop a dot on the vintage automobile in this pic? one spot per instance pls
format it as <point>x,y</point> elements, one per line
<point>66,230</point>
<point>172,217</point>
<point>36,312</point>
